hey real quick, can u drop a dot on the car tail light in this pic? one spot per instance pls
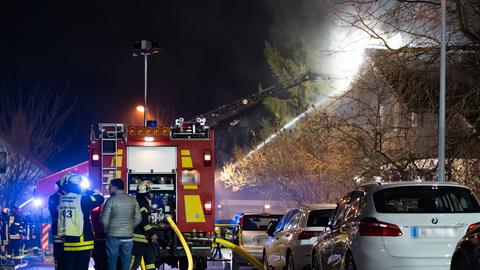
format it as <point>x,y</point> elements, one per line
<point>308,234</point>
<point>473,227</point>
<point>207,158</point>
<point>373,227</point>
<point>240,221</point>
<point>208,207</point>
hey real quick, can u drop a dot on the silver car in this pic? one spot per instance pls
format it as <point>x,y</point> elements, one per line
<point>251,235</point>
<point>290,243</point>
<point>401,226</point>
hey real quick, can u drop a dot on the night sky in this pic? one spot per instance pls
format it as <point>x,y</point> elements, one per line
<point>212,55</point>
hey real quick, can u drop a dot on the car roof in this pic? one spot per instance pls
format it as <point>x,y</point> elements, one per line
<point>318,206</point>
<point>262,213</point>
<point>375,186</point>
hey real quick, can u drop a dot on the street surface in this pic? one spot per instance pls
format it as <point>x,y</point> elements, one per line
<point>35,263</point>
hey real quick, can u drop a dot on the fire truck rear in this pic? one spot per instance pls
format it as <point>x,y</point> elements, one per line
<point>178,162</point>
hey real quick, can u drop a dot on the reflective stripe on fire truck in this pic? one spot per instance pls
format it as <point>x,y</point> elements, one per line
<point>187,164</point>
<point>193,209</point>
<point>117,161</point>
<point>186,159</point>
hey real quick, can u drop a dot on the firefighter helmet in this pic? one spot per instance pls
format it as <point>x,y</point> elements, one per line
<point>72,178</point>
<point>62,180</point>
<point>143,187</point>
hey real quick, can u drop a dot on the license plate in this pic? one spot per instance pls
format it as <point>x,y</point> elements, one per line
<point>429,232</point>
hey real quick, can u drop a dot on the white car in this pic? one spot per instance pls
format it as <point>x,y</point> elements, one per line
<point>401,226</point>
<point>290,242</point>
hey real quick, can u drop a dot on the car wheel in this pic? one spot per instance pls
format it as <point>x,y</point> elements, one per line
<point>235,264</point>
<point>290,262</point>
<point>349,263</point>
<point>265,262</point>
<point>316,263</point>
<point>461,262</point>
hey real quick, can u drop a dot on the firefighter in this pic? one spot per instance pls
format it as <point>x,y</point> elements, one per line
<point>4,232</point>
<point>30,240</point>
<point>16,230</point>
<point>143,235</point>
<point>53,204</point>
<point>74,223</point>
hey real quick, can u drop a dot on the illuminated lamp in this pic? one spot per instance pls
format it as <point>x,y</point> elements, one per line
<point>207,158</point>
<point>208,207</point>
<point>140,108</point>
<point>37,202</point>
<point>148,139</point>
<point>95,157</point>
<point>85,184</point>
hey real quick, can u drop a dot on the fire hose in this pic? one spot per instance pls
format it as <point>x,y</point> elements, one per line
<point>242,252</point>
<point>182,240</point>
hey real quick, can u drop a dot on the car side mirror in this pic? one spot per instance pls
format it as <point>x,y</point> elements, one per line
<point>271,228</point>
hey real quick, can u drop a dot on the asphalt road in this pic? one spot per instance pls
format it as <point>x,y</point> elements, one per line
<point>36,263</point>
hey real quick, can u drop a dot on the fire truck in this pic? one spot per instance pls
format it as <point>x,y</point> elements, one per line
<point>178,162</point>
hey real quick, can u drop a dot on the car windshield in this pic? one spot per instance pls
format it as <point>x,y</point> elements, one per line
<point>258,222</point>
<point>319,218</point>
<point>425,199</point>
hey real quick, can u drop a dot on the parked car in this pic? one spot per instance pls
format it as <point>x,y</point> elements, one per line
<point>290,242</point>
<point>467,252</point>
<point>401,225</point>
<point>251,234</point>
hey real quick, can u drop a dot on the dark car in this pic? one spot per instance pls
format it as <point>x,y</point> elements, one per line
<point>467,252</point>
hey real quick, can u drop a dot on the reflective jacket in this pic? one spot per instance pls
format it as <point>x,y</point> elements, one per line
<point>74,220</point>
<point>53,202</point>
<point>143,231</point>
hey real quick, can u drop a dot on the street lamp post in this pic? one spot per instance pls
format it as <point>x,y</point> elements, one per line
<point>441,117</point>
<point>145,48</point>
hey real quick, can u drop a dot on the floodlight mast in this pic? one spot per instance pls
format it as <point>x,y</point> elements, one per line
<point>145,48</point>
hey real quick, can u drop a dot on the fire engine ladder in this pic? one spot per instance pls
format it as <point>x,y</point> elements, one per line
<point>109,135</point>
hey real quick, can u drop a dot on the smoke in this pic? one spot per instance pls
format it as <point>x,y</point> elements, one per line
<point>332,48</point>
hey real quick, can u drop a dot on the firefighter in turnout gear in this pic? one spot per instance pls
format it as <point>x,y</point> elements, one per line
<point>16,230</point>
<point>74,223</point>
<point>53,203</point>
<point>4,232</point>
<point>143,235</point>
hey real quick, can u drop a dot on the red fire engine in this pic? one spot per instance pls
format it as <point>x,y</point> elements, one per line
<point>179,164</point>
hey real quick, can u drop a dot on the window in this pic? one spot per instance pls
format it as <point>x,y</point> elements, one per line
<point>258,222</point>
<point>293,222</point>
<point>281,224</point>
<point>3,162</point>
<point>337,218</point>
<point>425,199</point>
<point>354,206</point>
<point>319,218</point>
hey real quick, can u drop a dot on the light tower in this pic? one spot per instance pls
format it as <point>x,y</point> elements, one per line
<point>145,48</point>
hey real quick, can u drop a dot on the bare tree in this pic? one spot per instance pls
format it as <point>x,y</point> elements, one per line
<point>30,124</point>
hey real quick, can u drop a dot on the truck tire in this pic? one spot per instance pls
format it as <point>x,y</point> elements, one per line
<point>183,264</point>
<point>235,264</point>
<point>200,263</point>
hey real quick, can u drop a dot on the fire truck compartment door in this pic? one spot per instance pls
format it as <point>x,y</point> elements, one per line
<point>151,159</point>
